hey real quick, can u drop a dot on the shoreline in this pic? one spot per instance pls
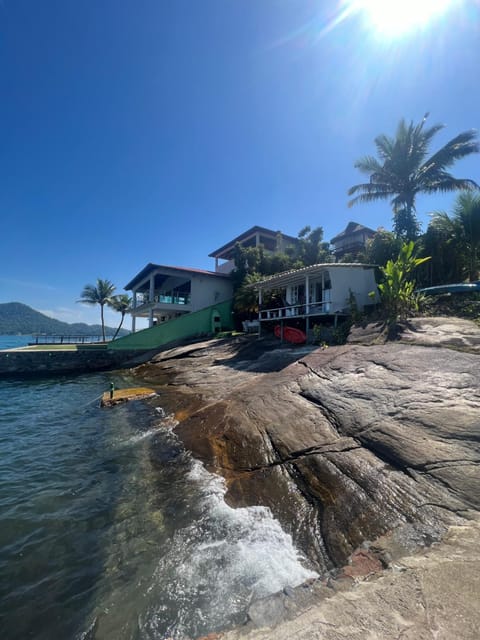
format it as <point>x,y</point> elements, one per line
<point>241,372</point>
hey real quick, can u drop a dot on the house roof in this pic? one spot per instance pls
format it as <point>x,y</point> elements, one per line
<point>248,234</point>
<point>170,271</point>
<point>351,229</point>
<point>296,275</point>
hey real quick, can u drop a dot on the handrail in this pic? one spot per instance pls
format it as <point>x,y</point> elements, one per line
<point>43,338</point>
<point>163,298</point>
<point>295,310</point>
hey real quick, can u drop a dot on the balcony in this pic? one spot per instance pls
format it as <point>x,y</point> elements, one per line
<point>296,311</point>
<point>162,299</point>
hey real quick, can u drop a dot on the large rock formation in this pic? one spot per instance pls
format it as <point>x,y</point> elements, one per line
<point>344,444</point>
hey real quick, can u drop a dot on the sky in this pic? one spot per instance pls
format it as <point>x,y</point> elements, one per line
<point>137,131</point>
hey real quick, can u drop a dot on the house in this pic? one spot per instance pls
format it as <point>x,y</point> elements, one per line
<point>317,291</point>
<point>271,241</point>
<point>352,240</point>
<point>162,293</point>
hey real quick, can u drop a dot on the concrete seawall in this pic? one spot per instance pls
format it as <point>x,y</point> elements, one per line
<point>31,363</point>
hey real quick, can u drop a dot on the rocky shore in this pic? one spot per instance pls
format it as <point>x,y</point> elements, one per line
<point>367,453</point>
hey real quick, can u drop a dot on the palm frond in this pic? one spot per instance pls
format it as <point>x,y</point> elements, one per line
<point>445,183</point>
<point>370,197</point>
<point>368,164</point>
<point>462,145</point>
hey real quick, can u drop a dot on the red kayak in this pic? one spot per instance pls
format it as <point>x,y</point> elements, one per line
<point>290,334</point>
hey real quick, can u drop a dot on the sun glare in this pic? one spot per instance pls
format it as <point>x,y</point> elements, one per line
<point>397,17</point>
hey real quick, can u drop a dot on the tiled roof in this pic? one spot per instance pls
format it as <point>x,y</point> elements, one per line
<point>287,277</point>
<point>350,229</point>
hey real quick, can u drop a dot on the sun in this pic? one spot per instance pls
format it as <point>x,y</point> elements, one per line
<point>392,18</point>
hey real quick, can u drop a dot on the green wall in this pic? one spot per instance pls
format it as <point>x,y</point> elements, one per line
<point>186,326</point>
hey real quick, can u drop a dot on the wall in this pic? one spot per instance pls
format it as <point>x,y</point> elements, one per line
<point>204,289</point>
<point>359,281</point>
<point>24,363</point>
<point>188,325</point>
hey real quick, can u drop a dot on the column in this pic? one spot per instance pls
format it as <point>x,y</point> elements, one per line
<point>151,293</point>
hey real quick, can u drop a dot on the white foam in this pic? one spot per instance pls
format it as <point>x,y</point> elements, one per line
<point>227,557</point>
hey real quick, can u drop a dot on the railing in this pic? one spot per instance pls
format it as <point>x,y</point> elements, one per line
<point>42,338</point>
<point>163,298</point>
<point>296,310</point>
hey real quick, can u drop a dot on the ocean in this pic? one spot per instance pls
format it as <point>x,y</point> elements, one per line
<point>110,530</point>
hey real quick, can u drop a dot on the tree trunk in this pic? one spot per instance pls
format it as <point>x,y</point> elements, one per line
<point>103,322</point>
<point>119,327</point>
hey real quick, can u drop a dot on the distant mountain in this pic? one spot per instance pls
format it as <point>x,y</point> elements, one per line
<point>17,318</point>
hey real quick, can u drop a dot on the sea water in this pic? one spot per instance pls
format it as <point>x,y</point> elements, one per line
<point>110,530</point>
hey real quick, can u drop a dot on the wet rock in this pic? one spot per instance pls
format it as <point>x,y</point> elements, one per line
<point>267,612</point>
<point>345,444</point>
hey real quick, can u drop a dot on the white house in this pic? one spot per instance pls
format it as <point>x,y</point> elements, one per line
<point>161,293</point>
<point>315,291</point>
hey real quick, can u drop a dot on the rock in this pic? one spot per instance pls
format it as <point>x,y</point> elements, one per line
<point>118,396</point>
<point>362,563</point>
<point>435,595</point>
<point>267,612</point>
<point>345,444</point>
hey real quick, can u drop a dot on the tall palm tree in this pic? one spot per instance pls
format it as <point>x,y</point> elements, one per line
<point>122,304</point>
<point>404,169</point>
<point>101,294</point>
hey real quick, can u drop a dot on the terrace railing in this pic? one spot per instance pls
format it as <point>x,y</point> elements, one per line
<point>296,310</point>
<point>166,298</point>
<point>42,338</point>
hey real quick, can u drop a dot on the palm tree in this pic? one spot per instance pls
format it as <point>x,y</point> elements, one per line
<point>404,169</point>
<point>101,294</point>
<point>120,303</point>
<point>461,233</point>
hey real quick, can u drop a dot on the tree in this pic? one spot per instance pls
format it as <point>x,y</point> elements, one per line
<point>312,249</point>
<point>101,294</point>
<point>466,216</point>
<point>404,170</point>
<point>458,237</point>
<point>397,289</point>
<point>245,297</point>
<point>384,246</point>
<point>122,304</point>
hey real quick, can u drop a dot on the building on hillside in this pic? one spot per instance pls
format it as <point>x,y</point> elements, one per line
<point>271,241</point>
<point>298,296</point>
<point>162,293</point>
<point>352,240</point>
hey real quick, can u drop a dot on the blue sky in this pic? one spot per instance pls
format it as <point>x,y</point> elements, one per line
<point>155,130</point>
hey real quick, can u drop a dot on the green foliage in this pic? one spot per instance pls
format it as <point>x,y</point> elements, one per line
<point>455,241</point>
<point>325,335</point>
<point>122,304</point>
<point>254,263</point>
<point>355,313</point>
<point>312,249</point>
<point>405,224</point>
<point>397,289</point>
<point>384,246</point>
<point>245,297</point>
<point>404,170</point>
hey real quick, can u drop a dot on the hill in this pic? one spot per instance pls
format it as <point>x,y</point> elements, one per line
<point>17,318</point>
